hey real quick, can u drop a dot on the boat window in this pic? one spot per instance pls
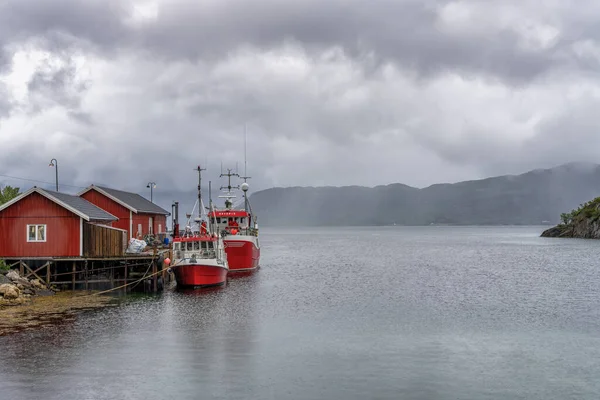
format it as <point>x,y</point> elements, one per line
<point>218,220</point>
<point>189,246</point>
<point>176,246</point>
<point>210,245</point>
<point>196,245</point>
<point>242,220</point>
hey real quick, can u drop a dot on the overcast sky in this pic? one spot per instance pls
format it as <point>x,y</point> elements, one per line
<point>333,92</point>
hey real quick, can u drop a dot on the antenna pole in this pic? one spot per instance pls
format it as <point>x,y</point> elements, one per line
<point>199,169</point>
<point>228,196</point>
<point>210,205</point>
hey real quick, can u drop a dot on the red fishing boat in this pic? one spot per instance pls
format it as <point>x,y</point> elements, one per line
<point>199,257</point>
<point>199,261</point>
<point>238,227</point>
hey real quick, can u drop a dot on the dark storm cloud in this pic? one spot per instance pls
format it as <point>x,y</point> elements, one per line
<point>404,32</point>
<point>412,91</point>
<point>50,86</point>
<point>95,21</point>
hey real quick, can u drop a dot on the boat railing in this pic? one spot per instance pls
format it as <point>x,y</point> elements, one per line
<point>240,231</point>
<point>197,254</point>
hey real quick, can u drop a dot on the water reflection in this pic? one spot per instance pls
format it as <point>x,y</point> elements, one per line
<point>423,313</point>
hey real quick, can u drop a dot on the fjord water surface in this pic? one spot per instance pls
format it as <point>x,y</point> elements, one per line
<point>350,313</point>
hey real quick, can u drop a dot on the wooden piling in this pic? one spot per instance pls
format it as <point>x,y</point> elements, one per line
<point>85,274</point>
<point>73,277</point>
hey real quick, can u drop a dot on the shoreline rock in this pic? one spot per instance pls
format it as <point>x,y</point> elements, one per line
<point>16,290</point>
<point>582,223</point>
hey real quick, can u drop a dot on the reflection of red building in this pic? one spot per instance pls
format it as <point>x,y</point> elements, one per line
<point>136,215</point>
<point>43,223</point>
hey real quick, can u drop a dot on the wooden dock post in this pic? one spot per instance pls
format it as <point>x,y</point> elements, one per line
<point>85,266</point>
<point>126,268</point>
<point>73,276</point>
<point>154,272</point>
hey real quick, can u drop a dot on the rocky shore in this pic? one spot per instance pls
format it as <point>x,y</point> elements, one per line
<point>583,223</point>
<point>17,290</point>
<point>29,304</point>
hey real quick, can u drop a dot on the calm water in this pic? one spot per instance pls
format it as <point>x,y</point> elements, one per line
<point>388,313</point>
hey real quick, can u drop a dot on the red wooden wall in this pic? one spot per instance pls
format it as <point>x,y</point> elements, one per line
<point>144,220</point>
<point>111,207</point>
<point>62,229</point>
<point>122,213</point>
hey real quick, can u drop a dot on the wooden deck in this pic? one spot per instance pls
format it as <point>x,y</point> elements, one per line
<point>101,273</point>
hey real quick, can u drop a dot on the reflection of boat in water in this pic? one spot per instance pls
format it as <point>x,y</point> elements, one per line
<point>199,257</point>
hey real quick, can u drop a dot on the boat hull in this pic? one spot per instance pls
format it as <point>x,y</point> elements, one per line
<point>200,274</point>
<point>243,253</point>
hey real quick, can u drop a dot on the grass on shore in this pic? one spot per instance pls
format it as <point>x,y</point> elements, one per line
<point>46,310</point>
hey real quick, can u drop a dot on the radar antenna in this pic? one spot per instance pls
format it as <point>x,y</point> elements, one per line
<point>228,194</point>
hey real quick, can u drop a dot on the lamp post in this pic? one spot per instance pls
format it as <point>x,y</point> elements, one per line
<point>151,185</point>
<point>54,163</point>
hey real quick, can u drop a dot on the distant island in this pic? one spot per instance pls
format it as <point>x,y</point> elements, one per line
<point>582,222</point>
<point>536,197</point>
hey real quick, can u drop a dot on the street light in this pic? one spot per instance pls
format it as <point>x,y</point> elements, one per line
<point>54,163</point>
<point>151,185</point>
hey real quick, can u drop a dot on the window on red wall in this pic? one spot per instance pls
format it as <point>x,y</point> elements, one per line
<point>36,233</point>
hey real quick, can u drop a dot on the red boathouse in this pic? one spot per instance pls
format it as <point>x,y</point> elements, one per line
<point>135,214</point>
<point>41,223</point>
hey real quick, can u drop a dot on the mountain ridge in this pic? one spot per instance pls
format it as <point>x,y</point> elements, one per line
<point>534,197</point>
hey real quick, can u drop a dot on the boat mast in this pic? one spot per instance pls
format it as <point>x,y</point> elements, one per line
<point>228,196</point>
<point>199,169</point>
<point>211,221</point>
<point>245,177</point>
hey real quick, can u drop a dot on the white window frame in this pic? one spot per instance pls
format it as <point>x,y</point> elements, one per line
<point>140,231</point>
<point>37,227</point>
<point>150,223</point>
<point>159,229</point>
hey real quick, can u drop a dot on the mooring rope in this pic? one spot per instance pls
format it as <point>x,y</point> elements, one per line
<point>134,282</point>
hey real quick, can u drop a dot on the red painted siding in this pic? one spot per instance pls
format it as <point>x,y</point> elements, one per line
<point>162,221</point>
<point>122,213</point>
<point>144,221</point>
<point>110,206</point>
<point>62,229</point>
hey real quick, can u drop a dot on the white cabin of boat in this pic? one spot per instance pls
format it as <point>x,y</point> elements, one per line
<point>233,222</point>
<point>198,247</point>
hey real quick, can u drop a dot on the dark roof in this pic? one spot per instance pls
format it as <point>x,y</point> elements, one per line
<point>82,205</point>
<point>135,201</point>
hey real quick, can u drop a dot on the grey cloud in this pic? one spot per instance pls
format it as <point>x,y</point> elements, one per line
<point>401,32</point>
<point>56,85</point>
<point>375,99</point>
<point>95,21</point>
<point>404,32</point>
